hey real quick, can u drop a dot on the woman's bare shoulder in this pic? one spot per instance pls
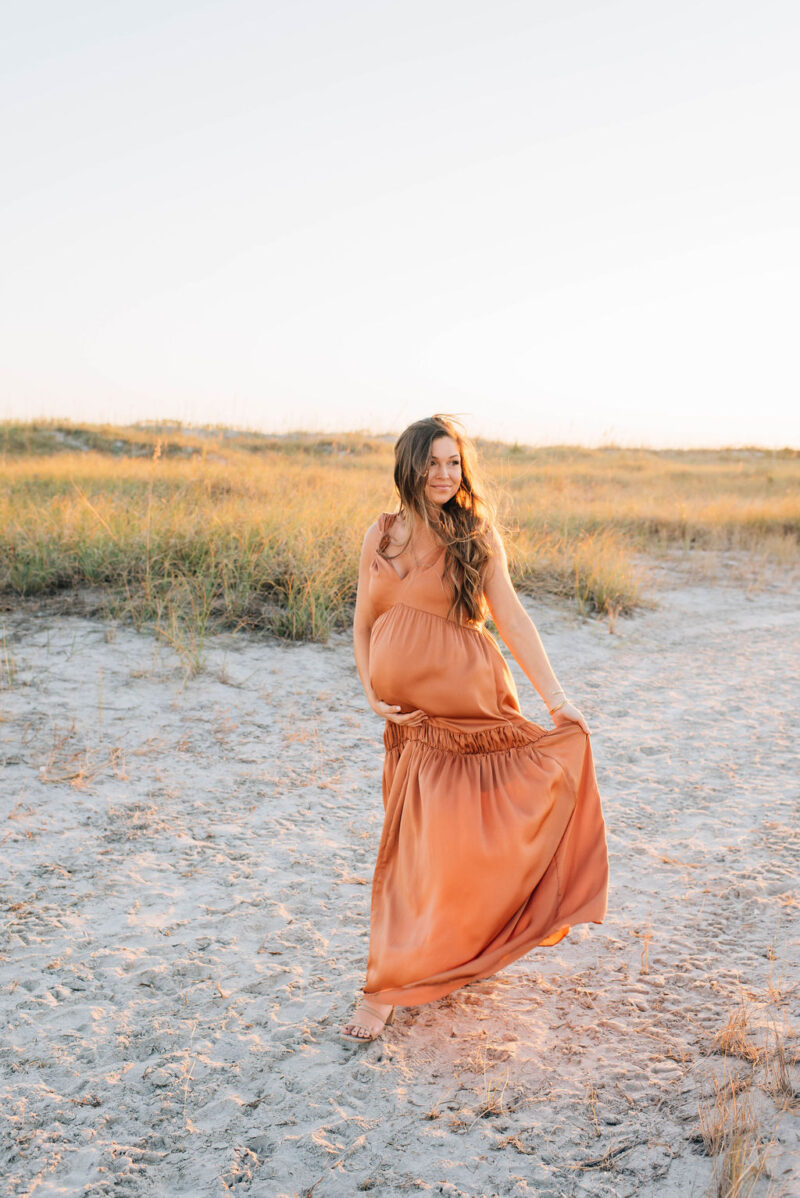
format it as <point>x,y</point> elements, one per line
<point>494,538</point>
<point>373,535</point>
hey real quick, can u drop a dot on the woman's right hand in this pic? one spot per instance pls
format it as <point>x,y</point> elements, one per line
<point>569,714</point>
<point>391,712</point>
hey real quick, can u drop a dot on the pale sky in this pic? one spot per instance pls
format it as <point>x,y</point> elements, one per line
<point>567,221</point>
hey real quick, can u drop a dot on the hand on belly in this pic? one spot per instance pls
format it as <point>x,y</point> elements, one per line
<point>395,713</point>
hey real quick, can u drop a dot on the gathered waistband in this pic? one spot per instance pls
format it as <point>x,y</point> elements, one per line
<point>488,740</point>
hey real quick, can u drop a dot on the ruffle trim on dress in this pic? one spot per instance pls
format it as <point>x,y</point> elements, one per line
<point>445,740</point>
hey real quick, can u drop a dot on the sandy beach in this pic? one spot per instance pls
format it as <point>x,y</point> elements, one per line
<point>186,865</point>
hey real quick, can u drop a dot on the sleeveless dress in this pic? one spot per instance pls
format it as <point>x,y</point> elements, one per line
<point>493,839</point>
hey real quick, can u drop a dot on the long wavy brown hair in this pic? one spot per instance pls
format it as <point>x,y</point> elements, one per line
<point>463,523</point>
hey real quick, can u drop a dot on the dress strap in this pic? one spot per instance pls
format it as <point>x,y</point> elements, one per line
<point>385,522</point>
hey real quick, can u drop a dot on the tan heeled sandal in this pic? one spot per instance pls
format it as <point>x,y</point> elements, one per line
<point>365,1006</point>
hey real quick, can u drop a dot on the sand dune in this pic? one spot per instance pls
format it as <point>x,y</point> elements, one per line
<point>185,880</point>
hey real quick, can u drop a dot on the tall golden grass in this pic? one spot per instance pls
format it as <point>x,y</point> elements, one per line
<point>214,528</point>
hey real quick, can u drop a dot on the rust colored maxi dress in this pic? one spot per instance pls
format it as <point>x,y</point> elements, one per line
<point>493,839</point>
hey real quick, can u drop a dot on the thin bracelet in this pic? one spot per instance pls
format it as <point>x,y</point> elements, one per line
<point>558,706</point>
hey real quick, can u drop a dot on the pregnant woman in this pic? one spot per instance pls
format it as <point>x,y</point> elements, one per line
<point>493,839</point>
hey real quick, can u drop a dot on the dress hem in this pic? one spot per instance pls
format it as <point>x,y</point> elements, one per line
<point>422,992</point>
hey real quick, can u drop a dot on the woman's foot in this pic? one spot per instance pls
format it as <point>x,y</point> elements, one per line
<point>369,1020</point>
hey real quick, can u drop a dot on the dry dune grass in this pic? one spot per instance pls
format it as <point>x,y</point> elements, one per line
<point>756,1087</point>
<point>193,530</point>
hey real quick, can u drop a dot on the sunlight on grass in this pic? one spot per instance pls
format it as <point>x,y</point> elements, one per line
<point>213,528</point>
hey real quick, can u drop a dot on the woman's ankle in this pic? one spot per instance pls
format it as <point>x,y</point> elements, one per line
<point>377,1004</point>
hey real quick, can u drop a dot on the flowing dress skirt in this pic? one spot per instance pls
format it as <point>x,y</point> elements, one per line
<point>493,839</point>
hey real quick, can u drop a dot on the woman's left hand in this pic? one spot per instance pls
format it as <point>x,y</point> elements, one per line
<point>569,714</point>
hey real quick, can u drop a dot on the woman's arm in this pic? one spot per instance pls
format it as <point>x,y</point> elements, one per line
<point>520,634</point>
<point>363,620</point>
<point>364,616</point>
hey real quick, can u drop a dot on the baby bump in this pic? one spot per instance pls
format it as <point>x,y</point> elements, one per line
<point>420,660</point>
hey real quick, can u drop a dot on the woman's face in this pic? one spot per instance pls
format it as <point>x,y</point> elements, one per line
<point>444,470</point>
